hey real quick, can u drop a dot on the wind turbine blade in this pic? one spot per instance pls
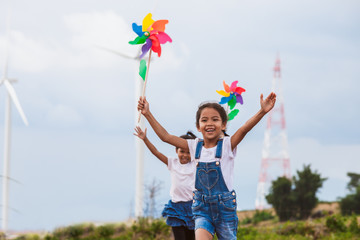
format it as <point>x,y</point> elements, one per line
<point>6,62</point>
<point>12,179</point>
<point>116,52</point>
<point>15,99</point>
<point>13,209</point>
<point>7,43</point>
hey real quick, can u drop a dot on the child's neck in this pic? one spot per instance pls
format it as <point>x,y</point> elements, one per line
<point>209,143</point>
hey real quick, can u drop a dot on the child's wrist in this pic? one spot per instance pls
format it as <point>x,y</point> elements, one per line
<point>147,114</point>
<point>262,111</point>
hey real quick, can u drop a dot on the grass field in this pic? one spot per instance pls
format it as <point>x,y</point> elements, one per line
<point>326,223</point>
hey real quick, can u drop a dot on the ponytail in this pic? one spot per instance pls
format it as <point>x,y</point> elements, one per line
<point>225,134</point>
<point>188,135</point>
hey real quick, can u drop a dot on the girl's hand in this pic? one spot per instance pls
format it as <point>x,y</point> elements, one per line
<point>139,133</point>
<point>143,105</point>
<point>268,103</point>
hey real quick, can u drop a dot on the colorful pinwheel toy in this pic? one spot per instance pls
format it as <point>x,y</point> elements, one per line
<point>152,33</point>
<point>231,96</point>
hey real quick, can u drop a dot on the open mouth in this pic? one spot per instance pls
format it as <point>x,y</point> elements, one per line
<point>210,130</point>
<point>184,160</point>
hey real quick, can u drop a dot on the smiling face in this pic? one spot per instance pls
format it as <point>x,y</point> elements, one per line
<point>183,155</point>
<point>210,124</point>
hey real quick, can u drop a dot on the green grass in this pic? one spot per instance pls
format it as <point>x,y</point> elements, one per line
<point>265,227</point>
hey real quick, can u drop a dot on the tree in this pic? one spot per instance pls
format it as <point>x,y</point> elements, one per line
<point>281,198</point>
<point>307,184</point>
<point>295,201</point>
<point>152,191</point>
<point>354,181</point>
<point>351,203</point>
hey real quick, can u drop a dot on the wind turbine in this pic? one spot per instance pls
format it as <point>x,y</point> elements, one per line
<point>11,97</point>
<point>139,145</point>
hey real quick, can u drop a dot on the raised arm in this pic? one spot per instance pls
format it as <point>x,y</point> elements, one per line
<point>143,106</point>
<point>266,106</point>
<point>142,135</point>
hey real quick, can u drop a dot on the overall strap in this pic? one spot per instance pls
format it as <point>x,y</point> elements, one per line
<point>198,148</point>
<point>218,152</point>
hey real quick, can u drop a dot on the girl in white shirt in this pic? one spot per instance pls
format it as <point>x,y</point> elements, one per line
<point>177,211</point>
<point>214,204</point>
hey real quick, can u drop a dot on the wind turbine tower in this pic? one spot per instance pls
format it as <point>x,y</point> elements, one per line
<point>275,147</point>
<point>11,98</point>
<point>139,144</point>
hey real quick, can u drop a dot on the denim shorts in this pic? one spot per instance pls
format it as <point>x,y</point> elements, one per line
<point>216,214</point>
<point>179,214</point>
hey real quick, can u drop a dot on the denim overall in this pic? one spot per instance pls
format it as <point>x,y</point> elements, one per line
<point>214,207</point>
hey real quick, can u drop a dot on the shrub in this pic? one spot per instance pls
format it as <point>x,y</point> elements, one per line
<point>105,231</point>
<point>335,223</point>
<point>246,233</point>
<point>296,228</point>
<point>260,216</point>
<point>47,237</point>
<point>354,226</point>
<point>146,228</point>
<point>120,228</point>
<point>22,237</point>
<point>71,232</point>
<point>246,220</point>
<point>159,226</point>
<point>28,237</point>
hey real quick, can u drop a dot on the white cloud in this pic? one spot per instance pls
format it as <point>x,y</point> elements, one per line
<point>102,28</point>
<point>77,49</point>
<point>26,54</point>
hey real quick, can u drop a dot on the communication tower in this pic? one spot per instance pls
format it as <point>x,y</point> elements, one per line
<point>275,156</point>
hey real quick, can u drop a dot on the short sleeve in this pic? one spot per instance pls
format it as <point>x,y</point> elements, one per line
<point>170,163</point>
<point>227,147</point>
<point>192,147</point>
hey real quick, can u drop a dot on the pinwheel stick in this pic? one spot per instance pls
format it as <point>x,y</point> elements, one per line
<point>144,87</point>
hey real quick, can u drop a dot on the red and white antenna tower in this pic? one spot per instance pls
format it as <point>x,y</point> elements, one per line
<point>275,157</point>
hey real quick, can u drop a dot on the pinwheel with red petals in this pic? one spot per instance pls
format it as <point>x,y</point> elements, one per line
<point>152,34</point>
<point>231,95</point>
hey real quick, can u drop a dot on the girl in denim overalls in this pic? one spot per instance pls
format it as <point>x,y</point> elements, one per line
<point>214,204</point>
<point>178,210</point>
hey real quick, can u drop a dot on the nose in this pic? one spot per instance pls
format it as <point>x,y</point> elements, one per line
<point>210,122</point>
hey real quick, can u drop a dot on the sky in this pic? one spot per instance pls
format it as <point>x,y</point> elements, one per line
<point>76,160</point>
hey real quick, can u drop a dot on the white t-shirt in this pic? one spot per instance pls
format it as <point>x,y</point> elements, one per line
<point>226,162</point>
<point>182,180</point>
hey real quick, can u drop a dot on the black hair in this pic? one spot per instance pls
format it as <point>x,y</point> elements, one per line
<point>217,107</point>
<point>225,134</point>
<point>188,135</point>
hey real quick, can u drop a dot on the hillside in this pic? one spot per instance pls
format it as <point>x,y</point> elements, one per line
<point>329,207</point>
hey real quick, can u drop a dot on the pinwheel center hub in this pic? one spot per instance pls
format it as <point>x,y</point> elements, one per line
<point>147,34</point>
